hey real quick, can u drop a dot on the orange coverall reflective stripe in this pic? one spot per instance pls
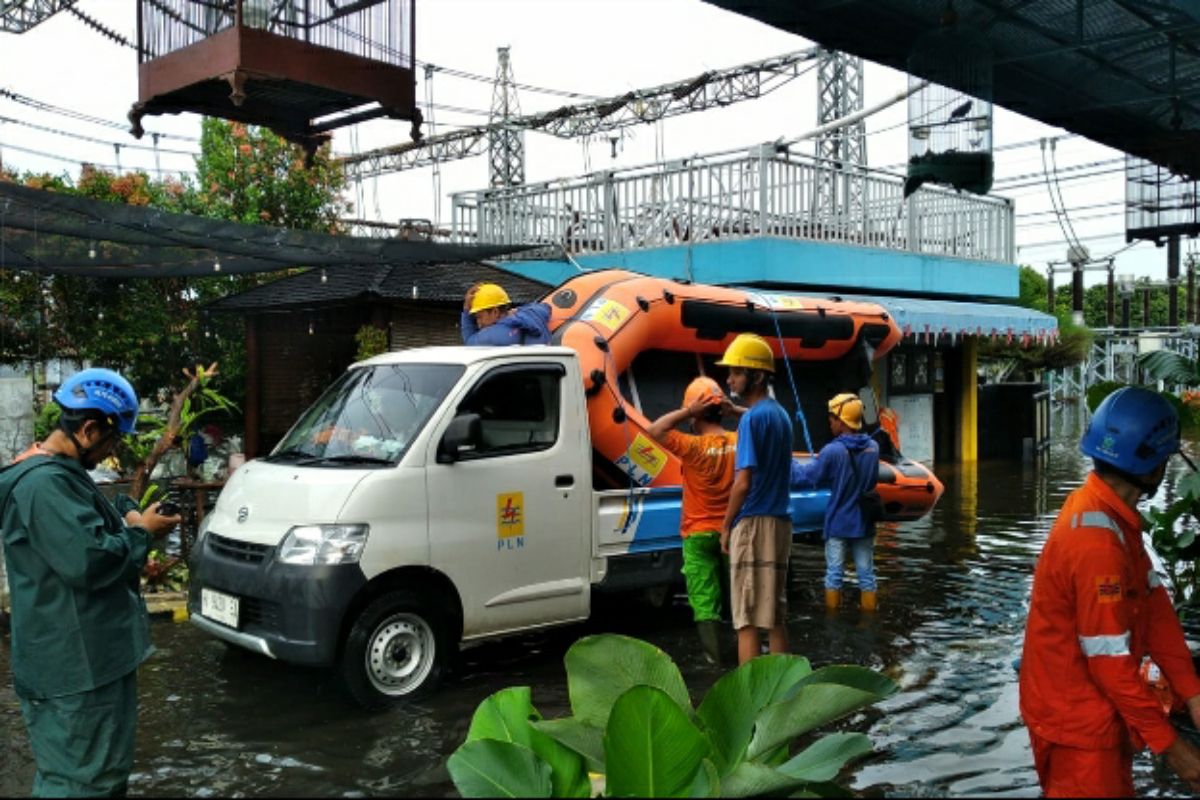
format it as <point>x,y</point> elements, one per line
<point>1097,609</point>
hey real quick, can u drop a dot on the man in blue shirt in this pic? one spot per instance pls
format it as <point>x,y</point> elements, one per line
<point>849,466</point>
<point>488,319</point>
<point>757,529</point>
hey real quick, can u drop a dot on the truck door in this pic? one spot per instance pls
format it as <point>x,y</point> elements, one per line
<point>509,522</point>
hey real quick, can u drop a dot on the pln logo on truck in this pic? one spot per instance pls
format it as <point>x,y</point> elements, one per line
<point>510,521</point>
<point>643,460</point>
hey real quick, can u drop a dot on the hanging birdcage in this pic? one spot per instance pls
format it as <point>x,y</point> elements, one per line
<point>950,113</point>
<point>299,67</point>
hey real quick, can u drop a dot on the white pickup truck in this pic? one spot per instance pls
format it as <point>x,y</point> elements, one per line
<point>429,497</point>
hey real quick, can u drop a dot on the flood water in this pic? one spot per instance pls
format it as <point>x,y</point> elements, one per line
<point>216,721</point>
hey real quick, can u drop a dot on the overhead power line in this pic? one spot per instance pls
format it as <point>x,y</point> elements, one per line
<point>107,142</point>
<point>711,89</point>
<point>50,108</point>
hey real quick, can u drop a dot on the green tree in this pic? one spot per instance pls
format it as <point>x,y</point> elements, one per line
<point>153,328</point>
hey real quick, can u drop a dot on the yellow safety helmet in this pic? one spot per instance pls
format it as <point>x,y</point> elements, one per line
<point>848,408</point>
<point>488,295</point>
<point>702,387</point>
<point>749,351</point>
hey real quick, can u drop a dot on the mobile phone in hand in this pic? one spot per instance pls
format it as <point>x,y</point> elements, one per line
<point>168,508</point>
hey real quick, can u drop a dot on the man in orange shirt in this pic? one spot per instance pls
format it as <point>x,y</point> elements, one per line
<point>1098,609</point>
<point>707,457</point>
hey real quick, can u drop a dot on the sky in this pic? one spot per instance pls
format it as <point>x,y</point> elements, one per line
<point>593,47</point>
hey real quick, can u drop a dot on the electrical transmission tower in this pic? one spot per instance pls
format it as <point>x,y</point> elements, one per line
<point>840,93</point>
<point>712,89</point>
<point>18,16</point>
<point>506,142</point>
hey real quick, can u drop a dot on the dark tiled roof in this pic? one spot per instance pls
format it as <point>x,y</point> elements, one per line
<point>426,283</point>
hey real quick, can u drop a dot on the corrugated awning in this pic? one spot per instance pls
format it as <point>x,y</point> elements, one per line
<point>926,318</point>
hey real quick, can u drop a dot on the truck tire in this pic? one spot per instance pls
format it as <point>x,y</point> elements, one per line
<point>397,649</point>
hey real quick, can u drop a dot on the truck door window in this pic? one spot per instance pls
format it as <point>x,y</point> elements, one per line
<point>518,409</point>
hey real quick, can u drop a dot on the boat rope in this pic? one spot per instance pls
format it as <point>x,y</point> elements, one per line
<point>787,363</point>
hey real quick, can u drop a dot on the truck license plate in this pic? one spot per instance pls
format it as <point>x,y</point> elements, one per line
<point>219,607</point>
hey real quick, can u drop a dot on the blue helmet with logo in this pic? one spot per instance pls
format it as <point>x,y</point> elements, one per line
<point>100,390</point>
<point>1134,430</point>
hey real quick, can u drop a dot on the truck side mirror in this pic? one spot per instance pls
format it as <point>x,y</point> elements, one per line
<point>463,436</point>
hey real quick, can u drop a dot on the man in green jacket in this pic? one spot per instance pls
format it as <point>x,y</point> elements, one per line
<point>79,625</point>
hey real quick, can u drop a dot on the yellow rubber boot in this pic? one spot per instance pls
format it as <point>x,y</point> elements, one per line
<point>833,599</point>
<point>868,601</point>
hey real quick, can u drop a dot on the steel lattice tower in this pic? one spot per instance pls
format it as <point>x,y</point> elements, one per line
<point>506,146</point>
<point>839,93</point>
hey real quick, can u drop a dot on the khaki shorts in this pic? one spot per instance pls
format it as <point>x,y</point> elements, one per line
<point>758,559</point>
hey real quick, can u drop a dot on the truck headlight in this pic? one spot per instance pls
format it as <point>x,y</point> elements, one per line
<point>201,532</point>
<point>323,544</point>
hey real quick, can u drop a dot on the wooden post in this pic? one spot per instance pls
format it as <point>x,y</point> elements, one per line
<point>253,388</point>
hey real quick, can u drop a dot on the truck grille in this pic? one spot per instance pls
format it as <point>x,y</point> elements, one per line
<point>262,615</point>
<point>246,552</point>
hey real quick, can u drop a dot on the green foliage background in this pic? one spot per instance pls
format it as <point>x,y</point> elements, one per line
<point>152,328</point>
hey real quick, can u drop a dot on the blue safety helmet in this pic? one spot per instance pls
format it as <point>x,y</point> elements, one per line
<point>1134,430</point>
<point>102,390</point>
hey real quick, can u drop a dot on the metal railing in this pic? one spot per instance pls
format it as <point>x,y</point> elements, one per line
<point>736,195</point>
<point>1114,354</point>
<point>381,30</point>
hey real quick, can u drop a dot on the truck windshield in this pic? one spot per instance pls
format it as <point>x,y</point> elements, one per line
<point>368,417</point>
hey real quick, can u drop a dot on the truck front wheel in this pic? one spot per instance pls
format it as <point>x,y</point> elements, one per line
<point>397,649</point>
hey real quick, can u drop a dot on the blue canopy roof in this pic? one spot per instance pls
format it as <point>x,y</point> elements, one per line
<point>922,317</point>
<point>918,317</point>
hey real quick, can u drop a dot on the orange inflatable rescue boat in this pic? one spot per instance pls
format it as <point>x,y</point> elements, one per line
<point>641,339</point>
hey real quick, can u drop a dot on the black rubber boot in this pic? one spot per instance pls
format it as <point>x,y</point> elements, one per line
<point>709,631</point>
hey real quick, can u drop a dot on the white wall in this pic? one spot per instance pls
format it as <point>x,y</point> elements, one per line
<point>16,434</point>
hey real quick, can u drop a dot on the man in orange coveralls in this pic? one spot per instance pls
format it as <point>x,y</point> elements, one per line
<point>1098,609</point>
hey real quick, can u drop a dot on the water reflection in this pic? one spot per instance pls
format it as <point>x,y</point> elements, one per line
<point>953,592</point>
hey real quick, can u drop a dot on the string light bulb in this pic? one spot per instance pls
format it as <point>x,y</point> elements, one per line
<point>310,328</point>
<point>217,264</point>
<point>92,250</point>
<point>324,277</point>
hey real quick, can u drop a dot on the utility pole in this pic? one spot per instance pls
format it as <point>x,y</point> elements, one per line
<point>1173,282</point>
<point>1189,308</point>
<point>506,144</point>
<point>839,94</point>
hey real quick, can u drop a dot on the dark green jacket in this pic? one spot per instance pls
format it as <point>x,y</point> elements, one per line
<point>78,618</point>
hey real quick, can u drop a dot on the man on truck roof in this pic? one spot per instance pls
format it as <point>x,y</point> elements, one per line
<point>1098,609</point>
<point>488,318</point>
<point>707,455</point>
<point>757,529</point>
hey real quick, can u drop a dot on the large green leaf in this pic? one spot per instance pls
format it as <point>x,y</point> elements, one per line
<point>602,668</point>
<point>748,779</point>
<point>489,768</point>
<point>707,782</point>
<point>586,740</point>
<point>867,680</point>
<point>1170,367</point>
<point>507,715</point>
<point>813,706</point>
<point>731,705</point>
<point>823,759</point>
<point>651,747</point>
